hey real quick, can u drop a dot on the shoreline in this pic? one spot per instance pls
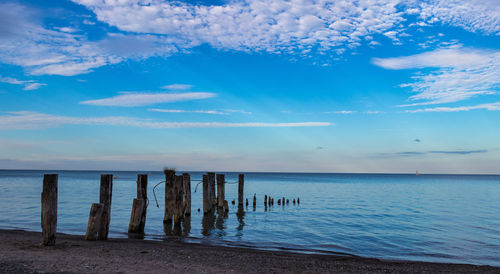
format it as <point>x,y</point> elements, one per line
<point>21,251</point>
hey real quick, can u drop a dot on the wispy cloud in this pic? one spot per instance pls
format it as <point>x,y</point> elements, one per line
<point>237,111</point>
<point>491,106</point>
<point>177,87</point>
<point>133,99</point>
<point>460,74</point>
<point>188,111</point>
<point>28,85</point>
<point>341,112</point>
<point>418,153</point>
<point>27,120</point>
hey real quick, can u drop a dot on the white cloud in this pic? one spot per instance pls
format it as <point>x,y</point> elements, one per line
<point>133,99</point>
<point>489,106</point>
<point>28,85</point>
<point>459,74</point>
<point>472,15</point>
<point>177,87</point>
<point>341,112</point>
<point>27,120</point>
<point>237,111</point>
<point>258,25</point>
<point>188,111</point>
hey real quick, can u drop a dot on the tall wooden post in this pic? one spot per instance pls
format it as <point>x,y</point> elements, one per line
<point>254,200</point>
<point>105,194</point>
<point>49,209</point>
<point>94,222</point>
<point>178,200</point>
<point>221,190</point>
<point>139,206</point>
<point>187,194</point>
<point>241,183</point>
<point>211,181</point>
<point>169,195</point>
<point>207,202</point>
<point>265,200</point>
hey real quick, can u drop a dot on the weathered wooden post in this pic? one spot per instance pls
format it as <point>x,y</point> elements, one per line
<point>287,201</point>
<point>265,200</point>
<point>298,200</point>
<point>294,201</point>
<point>241,183</point>
<point>226,206</point>
<point>49,209</point>
<point>220,190</point>
<point>94,222</point>
<point>169,195</point>
<point>105,195</point>
<point>283,201</point>
<point>211,181</point>
<point>139,206</point>
<point>246,203</point>
<point>207,202</point>
<point>178,200</point>
<point>187,194</point>
<point>254,200</point>
<point>279,201</point>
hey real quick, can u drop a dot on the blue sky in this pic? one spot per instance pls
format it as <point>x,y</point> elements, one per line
<point>253,85</point>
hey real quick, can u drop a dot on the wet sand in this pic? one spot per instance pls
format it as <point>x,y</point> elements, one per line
<point>22,252</point>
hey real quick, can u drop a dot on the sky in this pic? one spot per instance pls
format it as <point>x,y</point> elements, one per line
<point>375,86</point>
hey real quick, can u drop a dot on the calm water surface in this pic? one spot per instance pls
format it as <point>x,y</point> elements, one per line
<point>438,218</point>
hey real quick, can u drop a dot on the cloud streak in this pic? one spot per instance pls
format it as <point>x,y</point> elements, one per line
<point>491,106</point>
<point>133,99</point>
<point>27,85</point>
<point>27,120</point>
<point>188,111</point>
<point>459,74</point>
<point>419,153</point>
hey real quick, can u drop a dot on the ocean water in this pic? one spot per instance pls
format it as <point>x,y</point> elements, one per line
<point>435,218</point>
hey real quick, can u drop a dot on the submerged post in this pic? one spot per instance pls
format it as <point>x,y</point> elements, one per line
<point>49,209</point>
<point>178,200</point>
<point>220,190</point>
<point>105,194</point>
<point>94,222</point>
<point>169,195</point>
<point>265,200</point>
<point>139,206</point>
<point>241,183</point>
<point>254,200</point>
<point>187,194</point>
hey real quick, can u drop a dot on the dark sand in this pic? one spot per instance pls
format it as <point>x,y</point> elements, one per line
<point>21,252</point>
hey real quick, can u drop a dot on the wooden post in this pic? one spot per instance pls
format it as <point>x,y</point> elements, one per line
<point>226,206</point>
<point>279,201</point>
<point>139,206</point>
<point>207,208</point>
<point>105,194</point>
<point>221,190</point>
<point>265,200</point>
<point>241,183</point>
<point>287,201</point>
<point>94,222</point>
<point>178,200</point>
<point>136,224</point>
<point>254,200</point>
<point>294,201</point>
<point>211,183</point>
<point>49,209</point>
<point>169,195</point>
<point>298,200</point>
<point>187,194</point>
<point>283,201</point>
<point>246,202</point>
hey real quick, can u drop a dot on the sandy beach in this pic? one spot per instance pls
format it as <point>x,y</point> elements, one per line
<point>21,252</point>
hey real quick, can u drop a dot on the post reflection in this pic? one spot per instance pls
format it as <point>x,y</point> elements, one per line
<point>240,214</point>
<point>207,223</point>
<point>182,228</point>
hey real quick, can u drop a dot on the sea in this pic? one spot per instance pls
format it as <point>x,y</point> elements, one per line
<point>433,218</point>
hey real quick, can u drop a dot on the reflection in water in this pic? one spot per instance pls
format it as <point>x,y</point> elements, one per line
<point>136,236</point>
<point>180,229</point>
<point>240,214</point>
<point>219,223</point>
<point>208,224</point>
